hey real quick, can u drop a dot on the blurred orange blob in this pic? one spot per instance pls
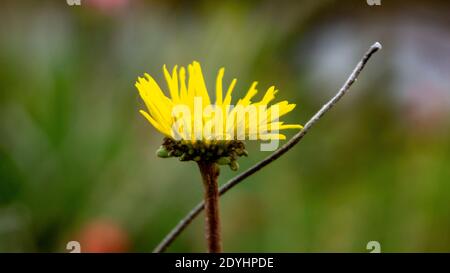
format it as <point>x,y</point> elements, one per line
<point>103,236</point>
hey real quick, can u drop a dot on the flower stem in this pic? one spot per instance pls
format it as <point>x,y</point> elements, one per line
<point>210,174</point>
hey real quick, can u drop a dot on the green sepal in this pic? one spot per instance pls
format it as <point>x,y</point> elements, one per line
<point>162,152</point>
<point>224,161</point>
<point>234,166</point>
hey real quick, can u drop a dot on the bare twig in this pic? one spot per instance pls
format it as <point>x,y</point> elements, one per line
<point>266,161</point>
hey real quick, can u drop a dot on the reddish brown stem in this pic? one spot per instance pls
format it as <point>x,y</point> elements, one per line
<point>210,174</point>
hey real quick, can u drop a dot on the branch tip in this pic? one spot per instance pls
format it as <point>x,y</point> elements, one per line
<point>377,46</point>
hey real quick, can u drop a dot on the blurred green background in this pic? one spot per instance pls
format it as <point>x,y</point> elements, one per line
<point>77,160</point>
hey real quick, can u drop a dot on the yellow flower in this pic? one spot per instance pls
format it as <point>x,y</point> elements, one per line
<point>189,114</point>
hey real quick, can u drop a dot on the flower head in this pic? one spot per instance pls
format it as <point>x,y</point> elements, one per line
<point>190,119</point>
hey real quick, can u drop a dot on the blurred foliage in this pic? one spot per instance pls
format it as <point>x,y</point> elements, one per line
<point>75,153</point>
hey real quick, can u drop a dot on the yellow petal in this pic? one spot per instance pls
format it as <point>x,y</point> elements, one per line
<point>250,94</point>
<point>269,96</point>
<point>183,88</point>
<point>173,85</point>
<point>219,86</point>
<point>227,100</point>
<point>154,123</point>
<point>200,86</point>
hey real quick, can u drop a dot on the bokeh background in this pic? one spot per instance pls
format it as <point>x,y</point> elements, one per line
<point>77,161</point>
